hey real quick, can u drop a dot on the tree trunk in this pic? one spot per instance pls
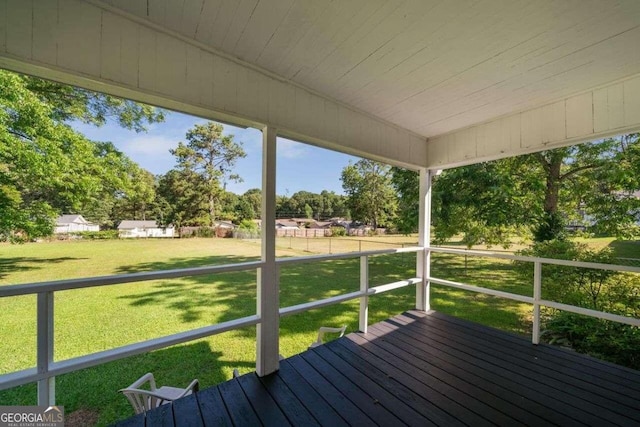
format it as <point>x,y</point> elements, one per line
<point>553,186</point>
<point>551,224</point>
<point>212,210</point>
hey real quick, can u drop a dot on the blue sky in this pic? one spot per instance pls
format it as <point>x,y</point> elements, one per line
<point>299,166</point>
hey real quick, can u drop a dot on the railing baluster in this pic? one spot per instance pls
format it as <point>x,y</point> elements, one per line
<point>46,386</point>
<point>537,296</point>
<point>364,299</point>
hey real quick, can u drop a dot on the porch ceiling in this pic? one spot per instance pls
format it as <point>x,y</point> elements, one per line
<point>429,66</point>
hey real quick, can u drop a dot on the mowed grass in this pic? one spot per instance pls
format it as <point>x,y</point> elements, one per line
<point>101,318</point>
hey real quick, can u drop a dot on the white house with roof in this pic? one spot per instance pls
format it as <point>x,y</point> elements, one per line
<point>74,224</point>
<point>135,228</point>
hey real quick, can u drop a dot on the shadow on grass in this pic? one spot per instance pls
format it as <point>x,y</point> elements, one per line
<point>191,262</point>
<point>192,296</point>
<point>626,249</point>
<point>19,264</point>
<point>96,388</point>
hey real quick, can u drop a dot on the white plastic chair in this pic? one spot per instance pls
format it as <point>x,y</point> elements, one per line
<point>144,400</point>
<point>326,330</point>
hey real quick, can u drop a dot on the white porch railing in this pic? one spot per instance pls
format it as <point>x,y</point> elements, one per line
<point>536,299</point>
<point>47,368</point>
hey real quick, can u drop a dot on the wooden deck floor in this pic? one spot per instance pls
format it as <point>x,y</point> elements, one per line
<point>423,370</point>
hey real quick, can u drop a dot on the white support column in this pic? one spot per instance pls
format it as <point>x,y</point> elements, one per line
<point>268,287</point>
<point>423,262</point>
<point>364,299</point>
<point>47,386</point>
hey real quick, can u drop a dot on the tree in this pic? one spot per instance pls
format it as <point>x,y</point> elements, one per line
<point>211,156</point>
<point>483,202</point>
<point>407,186</point>
<point>489,202</point>
<point>47,168</point>
<point>253,197</point>
<point>138,202</point>
<point>371,198</point>
<point>180,199</point>
<point>308,211</point>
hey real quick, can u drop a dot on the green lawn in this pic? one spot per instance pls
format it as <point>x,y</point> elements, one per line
<point>96,319</point>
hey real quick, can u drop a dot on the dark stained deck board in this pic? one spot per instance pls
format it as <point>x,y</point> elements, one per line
<point>240,410</point>
<point>262,402</point>
<point>424,384</point>
<point>549,356</point>
<point>604,401</point>
<point>438,363</point>
<point>557,399</point>
<point>162,417</point>
<point>505,357</point>
<point>186,412</point>
<point>347,410</point>
<point>288,402</point>
<point>585,363</point>
<point>311,398</point>
<point>362,392</point>
<point>419,369</point>
<point>211,406</point>
<point>350,391</point>
<point>421,397</point>
<point>388,392</point>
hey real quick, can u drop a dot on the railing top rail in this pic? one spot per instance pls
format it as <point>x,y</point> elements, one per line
<point>345,255</point>
<point>61,285</point>
<point>568,263</point>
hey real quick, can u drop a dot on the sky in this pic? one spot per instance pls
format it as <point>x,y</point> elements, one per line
<point>299,166</point>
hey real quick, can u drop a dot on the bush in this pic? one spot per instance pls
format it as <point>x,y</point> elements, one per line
<point>612,341</point>
<point>601,290</point>
<point>248,225</point>
<point>97,235</point>
<point>205,232</point>
<point>338,231</point>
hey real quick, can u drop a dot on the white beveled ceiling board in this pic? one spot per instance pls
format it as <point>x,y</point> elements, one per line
<point>603,112</point>
<point>100,47</point>
<point>429,66</point>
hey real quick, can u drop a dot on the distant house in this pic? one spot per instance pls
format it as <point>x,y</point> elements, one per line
<point>73,224</point>
<point>286,224</point>
<point>132,228</point>
<point>226,225</point>
<point>320,224</point>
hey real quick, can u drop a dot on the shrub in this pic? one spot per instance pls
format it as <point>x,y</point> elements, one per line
<point>97,235</point>
<point>601,290</point>
<point>205,232</point>
<point>338,231</point>
<point>248,225</point>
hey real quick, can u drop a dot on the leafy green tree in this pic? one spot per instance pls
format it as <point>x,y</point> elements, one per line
<point>138,202</point>
<point>333,205</point>
<point>371,198</point>
<point>308,211</point>
<point>47,168</point>
<point>483,202</point>
<point>180,199</point>
<point>536,193</point>
<point>209,155</point>
<point>244,210</point>
<point>253,197</point>
<point>407,186</point>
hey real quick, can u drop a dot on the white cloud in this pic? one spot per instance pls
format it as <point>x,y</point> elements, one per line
<point>149,145</point>
<point>290,149</point>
